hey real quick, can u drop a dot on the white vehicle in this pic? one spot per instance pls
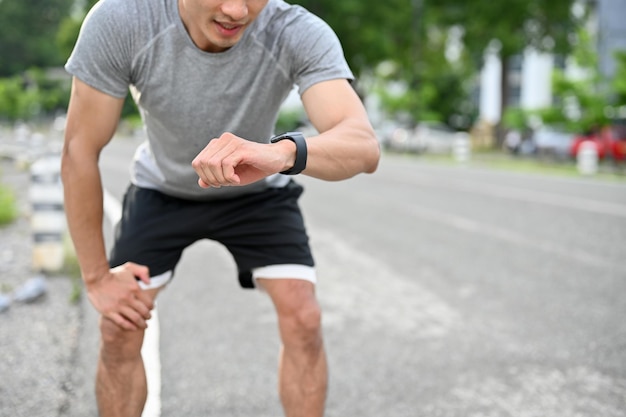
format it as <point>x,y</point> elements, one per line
<point>434,138</point>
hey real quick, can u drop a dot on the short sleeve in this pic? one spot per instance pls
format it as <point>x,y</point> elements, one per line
<point>318,55</point>
<point>102,56</point>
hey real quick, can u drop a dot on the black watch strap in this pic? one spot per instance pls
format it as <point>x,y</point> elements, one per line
<point>301,152</point>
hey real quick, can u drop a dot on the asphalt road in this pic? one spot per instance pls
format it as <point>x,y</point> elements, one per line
<point>447,291</point>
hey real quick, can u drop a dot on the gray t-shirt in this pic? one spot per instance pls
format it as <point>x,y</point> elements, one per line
<point>187,96</point>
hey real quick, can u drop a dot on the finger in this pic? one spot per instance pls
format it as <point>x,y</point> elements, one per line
<point>215,161</point>
<point>141,308</point>
<point>122,322</point>
<point>205,177</point>
<point>133,316</point>
<point>139,271</point>
<point>203,184</point>
<point>145,299</point>
<point>229,166</point>
<point>208,163</point>
<point>214,169</point>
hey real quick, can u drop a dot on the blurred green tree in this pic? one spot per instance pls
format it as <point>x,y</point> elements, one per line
<point>588,101</point>
<point>408,39</point>
<point>511,26</point>
<point>32,94</point>
<point>70,27</point>
<point>619,81</point>
<point>27,33</point>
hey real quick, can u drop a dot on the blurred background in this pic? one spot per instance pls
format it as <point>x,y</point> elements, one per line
<point>479,273</point>
<point>532,78</point>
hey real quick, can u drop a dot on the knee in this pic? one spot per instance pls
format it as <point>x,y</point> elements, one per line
<point>301,325</point>
<point>118,344</point>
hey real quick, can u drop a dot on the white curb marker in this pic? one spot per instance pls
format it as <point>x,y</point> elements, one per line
<point>47,217</point>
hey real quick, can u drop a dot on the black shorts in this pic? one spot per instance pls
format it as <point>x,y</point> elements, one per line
<point>259,230</point>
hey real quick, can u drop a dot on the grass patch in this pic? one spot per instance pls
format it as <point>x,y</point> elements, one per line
<point>71,269</point>
<point>504,162</point>
<point>8,205</point>
<point>568,168</point>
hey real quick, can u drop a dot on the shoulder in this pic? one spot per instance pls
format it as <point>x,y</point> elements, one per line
<point>283,24</point>
<point>110,11</point>
<point>123,17</point>
<point>111,36</point>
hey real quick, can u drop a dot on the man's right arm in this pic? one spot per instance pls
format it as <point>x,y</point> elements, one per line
<point>92,119</point>
<point>91,122</point>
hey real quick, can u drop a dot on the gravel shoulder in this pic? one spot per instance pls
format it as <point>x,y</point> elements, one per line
<point>39,339</point>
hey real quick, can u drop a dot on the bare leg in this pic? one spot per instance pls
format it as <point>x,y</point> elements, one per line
<point>121,387</point>
<point>303,370</point>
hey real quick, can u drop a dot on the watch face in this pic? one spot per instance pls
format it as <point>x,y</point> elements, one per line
<point>288,135</point>
<point>301,151</point>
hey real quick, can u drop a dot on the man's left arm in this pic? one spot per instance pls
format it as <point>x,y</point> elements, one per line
<point>346,144</point>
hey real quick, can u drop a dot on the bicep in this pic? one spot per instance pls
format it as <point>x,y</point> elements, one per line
<point>329,103</point>
<point>92,118</point>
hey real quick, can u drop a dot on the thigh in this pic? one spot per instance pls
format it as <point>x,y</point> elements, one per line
<point>290,295</point>
<point>299,313</point>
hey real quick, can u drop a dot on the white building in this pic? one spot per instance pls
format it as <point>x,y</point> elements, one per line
<point>531,74</point>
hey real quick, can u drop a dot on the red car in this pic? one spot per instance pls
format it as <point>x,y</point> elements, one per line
<point>610,142</point>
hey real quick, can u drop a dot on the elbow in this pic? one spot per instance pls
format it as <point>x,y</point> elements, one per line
<point>66,163</point>
<point>373,157</point>
<point>74,159</point>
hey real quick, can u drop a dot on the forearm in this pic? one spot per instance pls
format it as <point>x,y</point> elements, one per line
<point>84,211</point>
<point>342,152</point>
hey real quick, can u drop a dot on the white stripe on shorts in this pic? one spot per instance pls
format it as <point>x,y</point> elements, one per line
<point>157,281</point>
<point>282,271</point>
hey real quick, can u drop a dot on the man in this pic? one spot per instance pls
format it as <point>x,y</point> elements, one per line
<point>209,77</point>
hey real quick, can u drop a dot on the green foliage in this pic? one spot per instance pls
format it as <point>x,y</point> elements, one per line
<point>31,94</point>
<point>69,28</point>
<point>516,118</point>
<point>129,110</point>
<point>289,120</point>
<point>413,35</point>
<point>15,103</point>
<point>585,102</point>
<point>438,89</point>
<point>509,27</point>
<point>370,32</point>
<point>545,25</point>
<point>619,81</point>
<point>67,35</point>
<point>8,208</point>
<point>408,37</point>
<point>27,34</point>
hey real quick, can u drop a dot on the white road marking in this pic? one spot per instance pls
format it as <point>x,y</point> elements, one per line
<point>472,226</point>
<point>150,348</point>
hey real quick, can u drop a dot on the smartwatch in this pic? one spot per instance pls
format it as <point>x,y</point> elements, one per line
<point>301,153</point>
